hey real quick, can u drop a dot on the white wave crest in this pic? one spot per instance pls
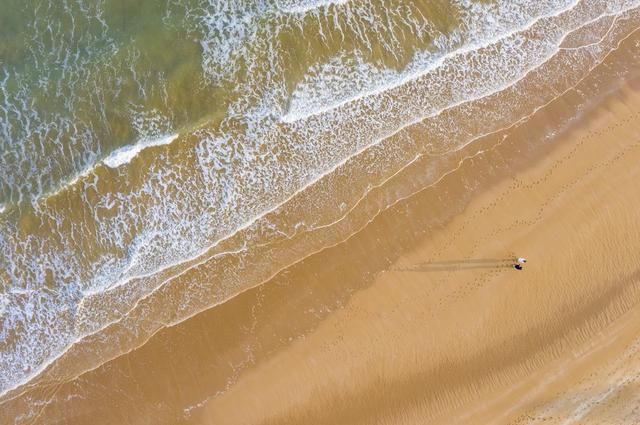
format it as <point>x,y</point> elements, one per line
<point>125,154</point>
<point>312,5</point>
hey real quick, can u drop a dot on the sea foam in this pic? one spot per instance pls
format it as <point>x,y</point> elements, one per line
<point>125,154</point>
<point>309,6</point>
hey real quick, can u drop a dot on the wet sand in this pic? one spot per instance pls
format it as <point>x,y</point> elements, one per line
<point>420,318</point>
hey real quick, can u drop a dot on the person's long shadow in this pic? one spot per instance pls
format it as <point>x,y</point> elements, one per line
<point>460,265</point>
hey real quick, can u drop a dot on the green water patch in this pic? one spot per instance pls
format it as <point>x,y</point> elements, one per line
<point>385,36</point>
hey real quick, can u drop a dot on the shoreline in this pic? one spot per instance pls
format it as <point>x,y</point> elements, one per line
<point>315,268</point>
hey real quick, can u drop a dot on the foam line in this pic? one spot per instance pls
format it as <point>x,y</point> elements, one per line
<point>125,154</point>
<point>312,5</point>
<point>293,116</point>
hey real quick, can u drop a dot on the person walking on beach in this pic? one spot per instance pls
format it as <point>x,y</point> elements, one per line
<point>519,262</point>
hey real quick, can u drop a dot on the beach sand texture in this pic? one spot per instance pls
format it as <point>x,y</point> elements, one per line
<point>382,293</point>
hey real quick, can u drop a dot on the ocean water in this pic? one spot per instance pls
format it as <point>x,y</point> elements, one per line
<point>158,157</point>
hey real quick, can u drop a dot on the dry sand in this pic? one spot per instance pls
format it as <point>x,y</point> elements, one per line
<point>420,318</point>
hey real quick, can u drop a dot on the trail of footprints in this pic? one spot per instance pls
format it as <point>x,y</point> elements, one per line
<point>519,185</point>
<point>485,277</point>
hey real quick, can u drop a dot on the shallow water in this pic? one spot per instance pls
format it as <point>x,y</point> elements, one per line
<point>204,145</point>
